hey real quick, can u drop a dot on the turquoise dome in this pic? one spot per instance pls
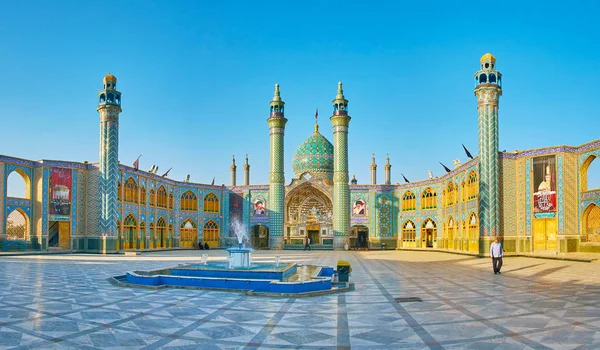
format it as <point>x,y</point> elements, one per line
<point>314,156</point>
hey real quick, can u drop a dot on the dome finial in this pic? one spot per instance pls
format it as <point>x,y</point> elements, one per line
<point>317,121</point>
<point>340,92</point>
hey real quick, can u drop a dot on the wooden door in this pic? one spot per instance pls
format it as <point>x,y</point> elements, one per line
<point>64,234</point>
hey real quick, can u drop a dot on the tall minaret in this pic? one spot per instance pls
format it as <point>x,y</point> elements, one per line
<point>373,171</point>
<point>488,92</point>
<point>276,178</point>
<point>246,172</point>
<point>388,170</point>
<point>233,168</point>
<point>109,107</point>
<point>341,203</point>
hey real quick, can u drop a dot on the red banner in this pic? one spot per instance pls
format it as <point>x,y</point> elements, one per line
<point>60,191</point>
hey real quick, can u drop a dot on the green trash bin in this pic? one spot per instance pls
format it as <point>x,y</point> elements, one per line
<point>343,270</point>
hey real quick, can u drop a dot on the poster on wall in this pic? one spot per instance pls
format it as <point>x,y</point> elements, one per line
<point>235,212</point>
<point>61,183</point>
<point>358,207</point>
<point>544,186</point>
<point>259,207</point>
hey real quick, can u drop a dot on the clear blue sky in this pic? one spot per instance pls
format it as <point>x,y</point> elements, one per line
<point>197,77</point>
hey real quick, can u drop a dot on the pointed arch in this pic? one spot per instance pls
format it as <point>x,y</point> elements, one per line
<point>211,203</point>
<point>473,235</point>
<point>450,197</point>
<point>189,201</point>
<point>160,237</point>
<point>591,223</point>
<point>119,195</point>
<point>472,186</point>
<point>409,233</point>
<point>211,233</point>
<point>17,225</point>
<point>131,190</point>
<point>585,183</point>
<point>130,230</point>
<point>450,232</point>
<point>152,235</point>
<point>142,196</point>
<point>152,198</point>
<point>429,199</point>
<point>161,197</point>
<point>18,184</point>
<point>428,233</point>
<point>188,233</point>
<point>409,201</point>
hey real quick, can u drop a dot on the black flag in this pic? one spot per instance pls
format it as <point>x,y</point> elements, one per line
<point>405,179</point>
<point>165,174</point>
<point>467,152</point>
<point>213,182</point>
<point>446,168</point>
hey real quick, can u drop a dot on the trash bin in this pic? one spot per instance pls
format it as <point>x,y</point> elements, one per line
<point>343,270</point>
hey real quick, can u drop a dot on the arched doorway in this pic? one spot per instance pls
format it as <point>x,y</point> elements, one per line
<point>309,213</point>
<point>450,233</point>
<point>161,233</point>
<point>473,235</point>
<point>591,224</point>
<point>211,234</point>
<point>359,237</point>
<point>409,234</point>
<point>259,236</point>
<point>130,227</point>
<point>152,231</point>
<point>428,233</point>
<point>188,233</point>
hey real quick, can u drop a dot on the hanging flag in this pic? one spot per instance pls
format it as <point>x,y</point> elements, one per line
<point>317,116</point>
<point>445,168</point>
<point>136,164</point>
<point>467,152</point>
<point>213,182</point>
<point>165,174</point>
<point>405,179</point>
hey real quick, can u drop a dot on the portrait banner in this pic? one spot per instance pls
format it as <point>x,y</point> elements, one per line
<point>544,184</point>
<point>61,183</point>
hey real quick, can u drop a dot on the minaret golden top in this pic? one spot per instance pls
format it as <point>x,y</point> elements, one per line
<point>276,95</point>
<point>340,92</point>
<point>110,77</point>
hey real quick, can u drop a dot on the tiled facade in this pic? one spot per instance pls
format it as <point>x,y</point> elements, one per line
<point>319,202</point>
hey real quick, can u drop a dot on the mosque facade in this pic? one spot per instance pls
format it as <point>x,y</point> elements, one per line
<point>534,200</point>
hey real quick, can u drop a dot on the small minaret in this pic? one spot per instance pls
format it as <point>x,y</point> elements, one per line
<point>340,121</point>
<point>233,168</point>
<point>388,170</point>
<point>353,181</point>
<point>246,172</point>
<point>277,123</point>
<point>488,92</point>
<point>373,171</point>
<point>109,107</point>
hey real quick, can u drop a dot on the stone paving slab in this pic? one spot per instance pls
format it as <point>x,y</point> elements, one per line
<point>66,302</point>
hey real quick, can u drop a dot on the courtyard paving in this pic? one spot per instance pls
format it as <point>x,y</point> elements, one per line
<point>65,301</point>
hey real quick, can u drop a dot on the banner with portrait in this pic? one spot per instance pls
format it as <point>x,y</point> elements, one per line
<point>259,207</point>
<point>61,182</point>
<point>544,185</point>
<point>359,207</point>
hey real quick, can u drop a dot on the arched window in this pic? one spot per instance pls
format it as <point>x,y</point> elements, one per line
<point>18,185</point>
<point>450,197</point>
<point>472,186</point>
<point>142,196</point>
<point>492,78</point>
<point>161,197</point>
<point>409,201</point>
<point>119,197</point>
<point>409,231</point>
<point>161,233</point>
<point>211,203</point>
<point>131,191</point>
<point>189,201</point>
<point>17,226</point>
<point>188,232</point>
<point>450,229</point>
<point>428,199</point>
<point>590,174</point>
<point>211,233</point>
<point>130,228</point>
<point>591,224</point>
<point>171,201</point>
<point>482,79</point>
<point>473,229</point>
<point>152,198</point>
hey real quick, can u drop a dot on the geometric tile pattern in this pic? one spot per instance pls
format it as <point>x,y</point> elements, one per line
<point>277,178</point>
<point>561,200</point>
<point>65,301</point>
<point>341,200</point>
<point>508,211</point>
<point>384,216</point>
<point>571,207</point>
<point>488,97</point>
<point>109,167</point>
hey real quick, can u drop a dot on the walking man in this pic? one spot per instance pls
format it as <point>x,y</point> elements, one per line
<point>307,245</point>
<point>496,253</point>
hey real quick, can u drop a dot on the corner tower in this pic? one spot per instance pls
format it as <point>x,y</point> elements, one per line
<point>276,123</point>
<point>488,92</point>
<point>109,107</point>
<point>341,203</point>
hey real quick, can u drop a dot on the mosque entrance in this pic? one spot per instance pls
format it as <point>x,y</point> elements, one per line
<point>544,234</point>
<point>309,213</point>
<point>59,234</point>
<point>259,236</point>
<point>359,237</point>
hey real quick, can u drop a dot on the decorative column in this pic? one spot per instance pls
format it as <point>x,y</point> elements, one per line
<point>109,107</point>
<point>277,123</point>
<point>233,171</point>
<point>488,92</point>
<point>246,172</point>
<point>341,202</point>
<point>388,170</point>
<point>373,171</point>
